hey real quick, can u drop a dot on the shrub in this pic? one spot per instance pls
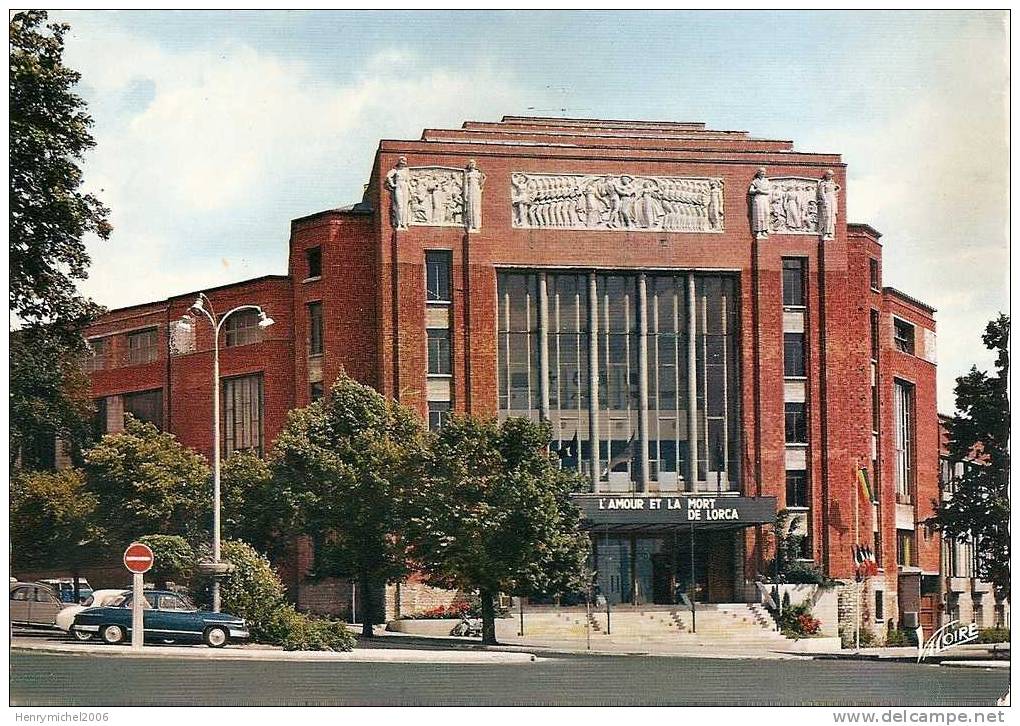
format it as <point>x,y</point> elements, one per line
<point>797,621</point>
<point>303,632</point>
<point>456,609</point>
<point>898,638</point>
<point>173,558</point>
<point>847,639</point>
<point>993,635</point>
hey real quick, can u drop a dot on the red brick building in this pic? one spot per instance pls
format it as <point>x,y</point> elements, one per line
<point>708,336</point>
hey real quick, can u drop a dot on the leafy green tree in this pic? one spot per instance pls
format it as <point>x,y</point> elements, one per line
<point>145,481</point>
<point>978,511</point>
<point>173,559</point>
<point>49,220</point>
<point>494,515</point>
<point>53,521</point>
<point>255,507</point>
<point>350,461</point>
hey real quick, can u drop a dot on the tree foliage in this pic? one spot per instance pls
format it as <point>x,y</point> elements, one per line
<point>173,559</point>
<point>255,507</point>
<point>48,223</point>
<point>53,520</point>
<point>493,514</point>
<point>349,462</point>
<point>979,435</point>
<point>146,482</point>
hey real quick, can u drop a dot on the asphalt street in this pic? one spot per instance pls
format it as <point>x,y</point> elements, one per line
<point>39,679</point>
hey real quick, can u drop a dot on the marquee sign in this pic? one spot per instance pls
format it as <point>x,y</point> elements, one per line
<point>646,509</point>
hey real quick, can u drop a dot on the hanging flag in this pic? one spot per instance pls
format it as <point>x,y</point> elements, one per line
<point>865,482</point>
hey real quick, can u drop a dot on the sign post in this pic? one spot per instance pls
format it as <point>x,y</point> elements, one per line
<point>138,560</point>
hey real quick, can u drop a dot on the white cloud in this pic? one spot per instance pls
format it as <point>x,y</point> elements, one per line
<point>205,174</point>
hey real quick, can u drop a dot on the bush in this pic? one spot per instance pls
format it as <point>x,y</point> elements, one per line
<point>898,638</point>
<point>797,621</point>
<point>173,559</point>
<point>457,609</point>
<point>993,635</point>
<point>847,639</point>
<point>253,591</point>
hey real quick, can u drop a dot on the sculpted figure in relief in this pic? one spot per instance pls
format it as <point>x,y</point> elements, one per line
<point>759,192</point>
<point>398,180</point>
<point>474,180</point>
<point>828,203</point>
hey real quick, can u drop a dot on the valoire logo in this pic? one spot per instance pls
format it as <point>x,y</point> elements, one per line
<point>948,636</point>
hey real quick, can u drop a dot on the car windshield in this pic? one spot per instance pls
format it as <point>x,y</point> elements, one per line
<point>89,601</point>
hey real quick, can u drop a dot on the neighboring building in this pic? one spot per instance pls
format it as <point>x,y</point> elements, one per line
<point>705,355</point>
<point>967,598</point>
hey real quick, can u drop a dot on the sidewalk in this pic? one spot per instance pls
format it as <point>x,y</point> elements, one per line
<point>998,653</point>
<point>270,653</point>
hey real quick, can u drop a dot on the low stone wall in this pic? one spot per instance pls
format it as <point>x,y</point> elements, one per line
<point>825,603</point>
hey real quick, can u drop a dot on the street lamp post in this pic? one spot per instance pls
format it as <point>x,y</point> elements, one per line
<point>203,305</point>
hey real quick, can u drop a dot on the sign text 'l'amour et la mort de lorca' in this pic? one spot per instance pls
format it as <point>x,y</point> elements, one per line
<point>707,509</point>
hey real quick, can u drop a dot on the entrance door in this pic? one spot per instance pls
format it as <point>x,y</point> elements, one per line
<point>663,579</point>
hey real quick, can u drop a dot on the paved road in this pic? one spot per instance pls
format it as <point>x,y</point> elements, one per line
<point>63,680</point>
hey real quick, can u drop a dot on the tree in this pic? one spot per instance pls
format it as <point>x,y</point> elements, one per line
<point>350,461</point>
<point>146,482</point>
<point>53,522</point>
<point>49,220</point>
<point>494,515</point>
<point>173,559</point>
<point>255,507</point>
<point>978,510</point>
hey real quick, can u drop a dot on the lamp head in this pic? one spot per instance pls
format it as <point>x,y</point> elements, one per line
<point>198,306</point>
<point>264,320</point>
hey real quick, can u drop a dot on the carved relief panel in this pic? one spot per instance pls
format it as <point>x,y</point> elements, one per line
<point>793,205</point>
<point>623,202</point>
<point>437,196</point>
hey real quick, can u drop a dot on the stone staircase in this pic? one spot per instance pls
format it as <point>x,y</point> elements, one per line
<point>724,625</point>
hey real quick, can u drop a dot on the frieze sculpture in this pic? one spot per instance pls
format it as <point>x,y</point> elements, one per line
<point>828,205</point>
<point>794,205</point>
<point>760,192</point>
<point>435,196</point>
<point>637,203</point>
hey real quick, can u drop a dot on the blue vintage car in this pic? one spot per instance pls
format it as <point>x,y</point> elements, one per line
<point>168,617</point>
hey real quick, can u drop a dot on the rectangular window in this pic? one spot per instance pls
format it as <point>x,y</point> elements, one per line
<point>873,272</point>
<point>315,391</point>
<point>903,336</point>
<point>793,282</point>
<point>313,258</point>
<point>315,346</point>
<point>878,547</point>
<point>874,335</point>
<point>796,423</point>
<point>793,355</point>
<point>437,275</point>
<point>146,406</point>
<point>143,346</point>
<point>879,606</point>
<point>904,547</point>
<point>797,494</point>
<point>242,414</point>
<point>439,352</point>
<point>100,358</point>
<point>99,418</point>
<point>242,328</point>
<point>903,404</point>
<point>439,414</point>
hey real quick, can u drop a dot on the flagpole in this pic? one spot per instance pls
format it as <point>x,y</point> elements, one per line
<point>857,537</point>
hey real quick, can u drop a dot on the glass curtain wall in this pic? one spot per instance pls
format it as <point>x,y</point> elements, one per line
<point>661,340</point>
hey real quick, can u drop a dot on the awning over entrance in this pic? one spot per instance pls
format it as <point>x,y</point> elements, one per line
<point>662,512</point>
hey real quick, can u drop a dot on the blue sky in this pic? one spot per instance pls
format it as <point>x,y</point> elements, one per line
<point>214,129</point>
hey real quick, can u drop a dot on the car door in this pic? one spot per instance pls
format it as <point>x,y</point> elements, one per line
<point>177,618</point>
<point>21,604</point>
<point>45,606</point>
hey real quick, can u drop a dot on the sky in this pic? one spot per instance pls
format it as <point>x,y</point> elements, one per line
<point>215,129</point>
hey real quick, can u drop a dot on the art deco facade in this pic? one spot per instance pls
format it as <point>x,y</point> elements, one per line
<point>709,338</point>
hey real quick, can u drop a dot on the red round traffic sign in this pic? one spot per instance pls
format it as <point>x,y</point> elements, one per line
<point>138,558</point>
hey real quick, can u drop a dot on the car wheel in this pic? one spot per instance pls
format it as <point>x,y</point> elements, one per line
<point>80,635</point>
<point>113,634</point>
<point>215,637</point>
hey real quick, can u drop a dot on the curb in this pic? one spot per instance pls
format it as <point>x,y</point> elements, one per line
<point>366,655</point>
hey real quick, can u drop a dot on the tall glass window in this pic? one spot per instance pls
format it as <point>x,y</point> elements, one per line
<point>146,406</point>
<point>242,328</point>
<point>794,365</point>
<point>793,282</point>
<point>315,346</point>
<point>437,275</point>
<point>903,408</point>
<point>678,438</point>
<point>439,352</point>
<point>242,414</point>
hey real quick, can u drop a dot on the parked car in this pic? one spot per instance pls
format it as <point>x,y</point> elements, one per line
<point>34,604</point>
<point>167,616</point>
<point>98,599</point>
<point>65,588</point>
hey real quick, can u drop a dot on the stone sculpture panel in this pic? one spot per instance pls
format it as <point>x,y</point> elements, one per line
<point>618,202</point>
<point>793,205</point>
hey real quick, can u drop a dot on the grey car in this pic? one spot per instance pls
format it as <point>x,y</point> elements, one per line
<point>34,604</point>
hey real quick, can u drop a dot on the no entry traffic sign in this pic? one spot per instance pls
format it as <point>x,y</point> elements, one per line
<point>138,558</point>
